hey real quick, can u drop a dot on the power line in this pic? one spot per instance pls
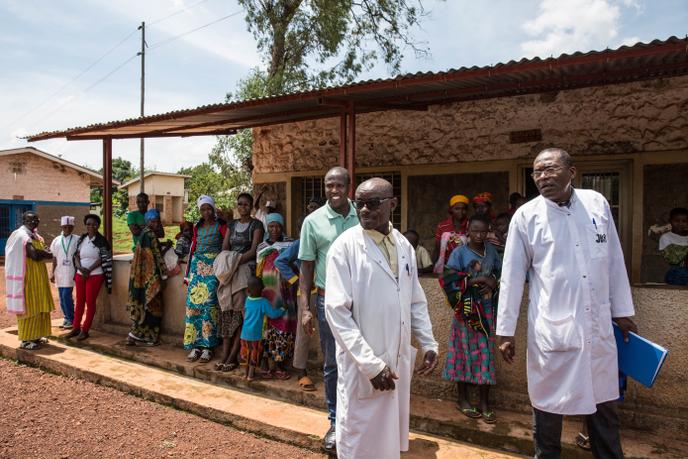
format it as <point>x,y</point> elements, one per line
<point>93,85</point>
<point>176,37</point>
<point>82,73</point>
<point>176,13</point>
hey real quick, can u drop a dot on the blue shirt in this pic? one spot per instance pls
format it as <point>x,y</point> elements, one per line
<point>283,262</point>
<point>254,311</point>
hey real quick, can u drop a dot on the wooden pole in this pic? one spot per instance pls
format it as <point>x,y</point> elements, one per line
<point>351,148</point>
<point>143,92</point>
<point>107,188</point>
<point>342,140</point>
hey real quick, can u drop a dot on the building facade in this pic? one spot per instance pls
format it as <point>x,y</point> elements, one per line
<point>166,193</point>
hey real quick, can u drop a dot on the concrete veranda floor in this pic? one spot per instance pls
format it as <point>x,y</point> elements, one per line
<point>280,410</point>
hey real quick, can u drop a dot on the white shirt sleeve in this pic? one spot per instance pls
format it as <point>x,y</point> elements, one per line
<point>517,261</point>
<point>338,303</point>
<point>619,288</point>
<point>420,318</point>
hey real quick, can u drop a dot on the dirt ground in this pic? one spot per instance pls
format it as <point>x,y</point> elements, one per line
<point>50,416</point>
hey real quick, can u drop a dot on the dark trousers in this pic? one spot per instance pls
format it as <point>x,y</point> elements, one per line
<point>327,346</point>
<point>603,428</point>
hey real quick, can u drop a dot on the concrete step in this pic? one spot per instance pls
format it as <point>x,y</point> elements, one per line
<point>438,417</point>
<point>269,418</point>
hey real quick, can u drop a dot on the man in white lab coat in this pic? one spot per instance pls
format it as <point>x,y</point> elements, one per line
<point>566,241</point>
<point>373,301</point>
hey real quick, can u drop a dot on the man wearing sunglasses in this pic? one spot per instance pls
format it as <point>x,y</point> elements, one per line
<point>319,230</point>
<point>373,302</point>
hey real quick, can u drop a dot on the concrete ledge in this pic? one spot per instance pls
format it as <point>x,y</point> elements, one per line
<point>438,417</point>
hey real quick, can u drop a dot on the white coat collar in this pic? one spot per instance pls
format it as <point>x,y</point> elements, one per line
<point>371,250</point>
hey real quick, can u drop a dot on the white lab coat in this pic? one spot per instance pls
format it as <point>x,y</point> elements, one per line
<point>63,248</point>
<point>578,283</point>
<point>372,315</point>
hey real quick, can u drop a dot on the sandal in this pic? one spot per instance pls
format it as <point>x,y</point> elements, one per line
<point>42,340</point>
<point>73,333</point>
<point>29,345</point>
<point>206,356</point>
<point>219,366</point>
<point>306,384</point>
<point>489,417</point>
<point>194,355</point>
<point>131,341</point>
<point>266,375</point>
<point>282,375</point>
<point>470,412</point>
<point>227,367</point>
<point>583,441</point>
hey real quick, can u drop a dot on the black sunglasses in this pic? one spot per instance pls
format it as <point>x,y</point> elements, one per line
<point>371,204</point>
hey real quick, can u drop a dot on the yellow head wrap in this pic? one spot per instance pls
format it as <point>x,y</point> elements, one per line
<point>457,199</point>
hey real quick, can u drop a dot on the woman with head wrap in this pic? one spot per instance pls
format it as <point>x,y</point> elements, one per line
<point>451,233</point>
<point>148,271</point>
<point>278,344</point>
<point>200,333</point>
<point>482,204</point>
<point>243,236</point>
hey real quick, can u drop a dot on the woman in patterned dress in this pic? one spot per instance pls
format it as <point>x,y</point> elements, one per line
<point>148,271</point>
<point>200,334</point>
<point>470,282</point>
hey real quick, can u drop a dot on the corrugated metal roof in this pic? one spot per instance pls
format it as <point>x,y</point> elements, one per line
<point>406,92</point>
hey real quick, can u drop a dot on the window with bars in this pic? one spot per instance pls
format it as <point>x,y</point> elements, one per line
<point>395,179</point>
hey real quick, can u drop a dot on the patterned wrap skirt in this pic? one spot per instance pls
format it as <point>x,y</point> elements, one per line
<point>202,308</point>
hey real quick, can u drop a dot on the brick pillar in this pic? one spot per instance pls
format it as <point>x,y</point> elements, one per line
<point>167,215</point>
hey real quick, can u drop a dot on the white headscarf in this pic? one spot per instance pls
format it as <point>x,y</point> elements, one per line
<point>205,199</point>
<point>66,220</point>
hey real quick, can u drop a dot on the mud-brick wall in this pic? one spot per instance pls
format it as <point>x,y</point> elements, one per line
<point>623,118</point>
<point>50,219</point>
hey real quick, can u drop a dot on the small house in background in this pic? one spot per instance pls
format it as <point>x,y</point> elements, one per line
<point>166,192</point>
<point>35,180</point>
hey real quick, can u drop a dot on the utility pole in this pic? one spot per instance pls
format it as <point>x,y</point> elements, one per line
<point>142,28</point>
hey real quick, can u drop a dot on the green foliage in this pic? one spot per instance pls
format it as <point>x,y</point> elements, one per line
<point>210,180</point>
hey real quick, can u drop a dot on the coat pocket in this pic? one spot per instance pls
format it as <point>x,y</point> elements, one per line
<point>557,335</point>
<point>365,388</point>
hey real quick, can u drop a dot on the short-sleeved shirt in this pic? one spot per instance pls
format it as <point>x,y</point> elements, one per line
<point>135,217</point>
<point>423,259</point>
<point>89,254</point>
<point>318,232</point>
<point>63,248</point>
<point>254,311</point>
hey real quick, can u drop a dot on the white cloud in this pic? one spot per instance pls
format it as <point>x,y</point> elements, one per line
<point>565,26</point>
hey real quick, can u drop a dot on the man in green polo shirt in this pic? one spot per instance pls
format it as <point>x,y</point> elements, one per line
<point>318,232</point>
<point>135,219</point>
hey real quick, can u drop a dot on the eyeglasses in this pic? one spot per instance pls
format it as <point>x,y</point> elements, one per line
<point>549,171</point>
<point>371,204</point>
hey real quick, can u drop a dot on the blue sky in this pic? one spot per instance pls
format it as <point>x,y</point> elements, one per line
<point>46,44</point>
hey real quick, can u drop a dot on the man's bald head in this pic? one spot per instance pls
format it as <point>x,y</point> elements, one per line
<point>338,171</point>
<point>376,185</point>
<point>561,154</point>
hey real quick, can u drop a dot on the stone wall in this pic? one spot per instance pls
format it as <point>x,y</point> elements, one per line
<point>32,178</point>
<point>623,118</point>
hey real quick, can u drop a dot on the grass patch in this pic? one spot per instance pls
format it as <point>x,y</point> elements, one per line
<point>121,237</point>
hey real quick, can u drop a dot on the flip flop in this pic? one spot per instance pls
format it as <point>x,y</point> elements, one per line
<point>29,345</point>
<point>282,375</point>
<point>489,417</point>
<point>206,356</point>
<point>583,441</point>
<point>306,384</point>
<point>227,367</point>
<point>470,412</point>
<point>219,366</point>
<point>266,375</point>
<point>194,355</point>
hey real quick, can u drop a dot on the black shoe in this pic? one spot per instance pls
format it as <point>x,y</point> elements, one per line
<point>329,443</point>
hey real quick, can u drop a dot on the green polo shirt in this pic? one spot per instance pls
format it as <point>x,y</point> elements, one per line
<point>135,217</point>
<point>318,232</point>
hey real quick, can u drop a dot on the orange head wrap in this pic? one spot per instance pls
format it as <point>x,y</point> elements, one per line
<point>485,196</point>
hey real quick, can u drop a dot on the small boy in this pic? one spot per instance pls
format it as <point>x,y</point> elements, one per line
<point>255,309</point>
<point>673,246</point>
<point>500,228</point>
<point>423,259</point>
<point>62,274</point>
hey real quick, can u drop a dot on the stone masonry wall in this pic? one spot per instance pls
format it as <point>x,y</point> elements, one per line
<point>38,179</point>
<point>624,118</point>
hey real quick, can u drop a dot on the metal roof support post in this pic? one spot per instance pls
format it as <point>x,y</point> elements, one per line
<point>351,148</point>
<point>342,140</point>
<point>107,188</point>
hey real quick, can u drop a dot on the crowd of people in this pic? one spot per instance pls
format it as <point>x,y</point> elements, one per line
<point>254,295</point>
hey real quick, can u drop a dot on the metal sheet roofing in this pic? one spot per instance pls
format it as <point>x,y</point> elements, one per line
<point>641,61</point>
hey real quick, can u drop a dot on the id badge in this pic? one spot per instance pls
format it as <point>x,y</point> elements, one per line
<point>66,263</point>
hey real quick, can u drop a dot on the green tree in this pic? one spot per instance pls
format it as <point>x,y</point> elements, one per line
<point>208,179</point>
<point>122,171</point>
<point>312,43</point>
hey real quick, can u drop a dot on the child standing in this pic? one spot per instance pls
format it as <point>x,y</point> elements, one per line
<point>674,247</point>
<point>255,309</point>
<point>423,259</point>
<point>183,238</point>
<point>62,275</point>
<point>470,282</point>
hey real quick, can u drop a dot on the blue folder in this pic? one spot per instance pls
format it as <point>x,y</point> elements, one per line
<point>639,358</point>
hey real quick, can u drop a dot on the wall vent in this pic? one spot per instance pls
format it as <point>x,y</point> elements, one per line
<point>528,135</point>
